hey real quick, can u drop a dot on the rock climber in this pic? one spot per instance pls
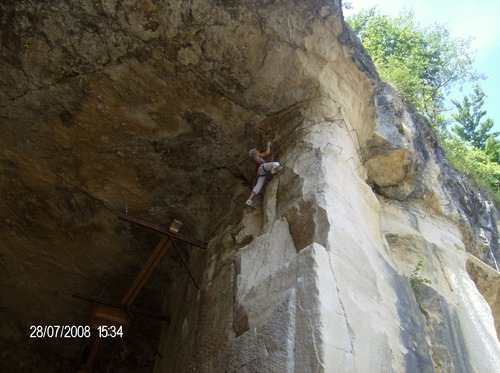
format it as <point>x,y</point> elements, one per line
<point>262,168</point>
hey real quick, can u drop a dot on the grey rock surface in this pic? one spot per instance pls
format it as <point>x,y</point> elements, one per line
<point>150,107</point>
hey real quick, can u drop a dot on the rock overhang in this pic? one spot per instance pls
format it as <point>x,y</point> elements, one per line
<point>156,118</point>
<point>142,107</point>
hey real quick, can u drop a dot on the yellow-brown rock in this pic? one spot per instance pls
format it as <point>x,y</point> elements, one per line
<point>150,108</point>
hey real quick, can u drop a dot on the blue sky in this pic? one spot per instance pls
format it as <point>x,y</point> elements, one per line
<point>464,18</point>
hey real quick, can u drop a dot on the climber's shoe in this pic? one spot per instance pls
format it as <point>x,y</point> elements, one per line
<point>276,170</point>
<point>249,203</point>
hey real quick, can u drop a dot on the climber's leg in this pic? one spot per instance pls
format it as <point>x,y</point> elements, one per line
<point>272,167</point>
<point>258,186</point>
<point>268,167</point>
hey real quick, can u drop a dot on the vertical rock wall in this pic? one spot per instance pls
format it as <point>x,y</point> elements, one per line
<point>316,278</point>
<point>151,106</point>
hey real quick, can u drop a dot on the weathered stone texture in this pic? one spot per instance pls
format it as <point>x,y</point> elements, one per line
<point>150,107</point>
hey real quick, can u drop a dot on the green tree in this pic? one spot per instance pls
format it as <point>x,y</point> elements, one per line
<point>422,63</point>
<point>471,127</point>
<point>474,163</point>
<point>492,149</point>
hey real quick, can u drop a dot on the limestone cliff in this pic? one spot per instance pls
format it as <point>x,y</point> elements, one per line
<point>150,107</point>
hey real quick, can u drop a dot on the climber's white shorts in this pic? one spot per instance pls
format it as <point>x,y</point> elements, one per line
<point>262,172</point>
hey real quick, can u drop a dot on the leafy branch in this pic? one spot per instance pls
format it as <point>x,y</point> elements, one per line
<point>416,279</point>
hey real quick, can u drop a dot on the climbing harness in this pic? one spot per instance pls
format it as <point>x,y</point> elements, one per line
<point>259,162</point>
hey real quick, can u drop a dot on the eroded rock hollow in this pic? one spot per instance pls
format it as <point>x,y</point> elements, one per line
<point>149,108</point>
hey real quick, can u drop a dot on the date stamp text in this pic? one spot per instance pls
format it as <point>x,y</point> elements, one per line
<point>60,331</point>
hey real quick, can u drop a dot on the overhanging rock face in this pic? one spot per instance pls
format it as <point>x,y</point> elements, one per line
<point>317,277</point>
<point>151,107</point>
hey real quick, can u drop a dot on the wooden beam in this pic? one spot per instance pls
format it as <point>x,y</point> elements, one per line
<point>160,229</point>
<point>146,271</point>
<point>134,290</point>
<point>175,226</point>
<point>485,267</point>
<point>108,316</point>
<point>143,276</point>
<point>92,355</point>
<point>108,303</point>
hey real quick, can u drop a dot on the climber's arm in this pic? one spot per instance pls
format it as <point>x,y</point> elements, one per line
<point>266,152</point>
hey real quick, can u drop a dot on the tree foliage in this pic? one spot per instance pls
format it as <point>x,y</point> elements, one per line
<point>474,163</point>
<point>492,149</point>
<point>475,150</point>
<point>422,63</point>
<point>470,125</point>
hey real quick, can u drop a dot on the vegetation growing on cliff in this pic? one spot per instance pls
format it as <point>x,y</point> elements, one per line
<point>424,64</point>
<point>472,147</point>
<point>470,125</point>
<point>416,279</point>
